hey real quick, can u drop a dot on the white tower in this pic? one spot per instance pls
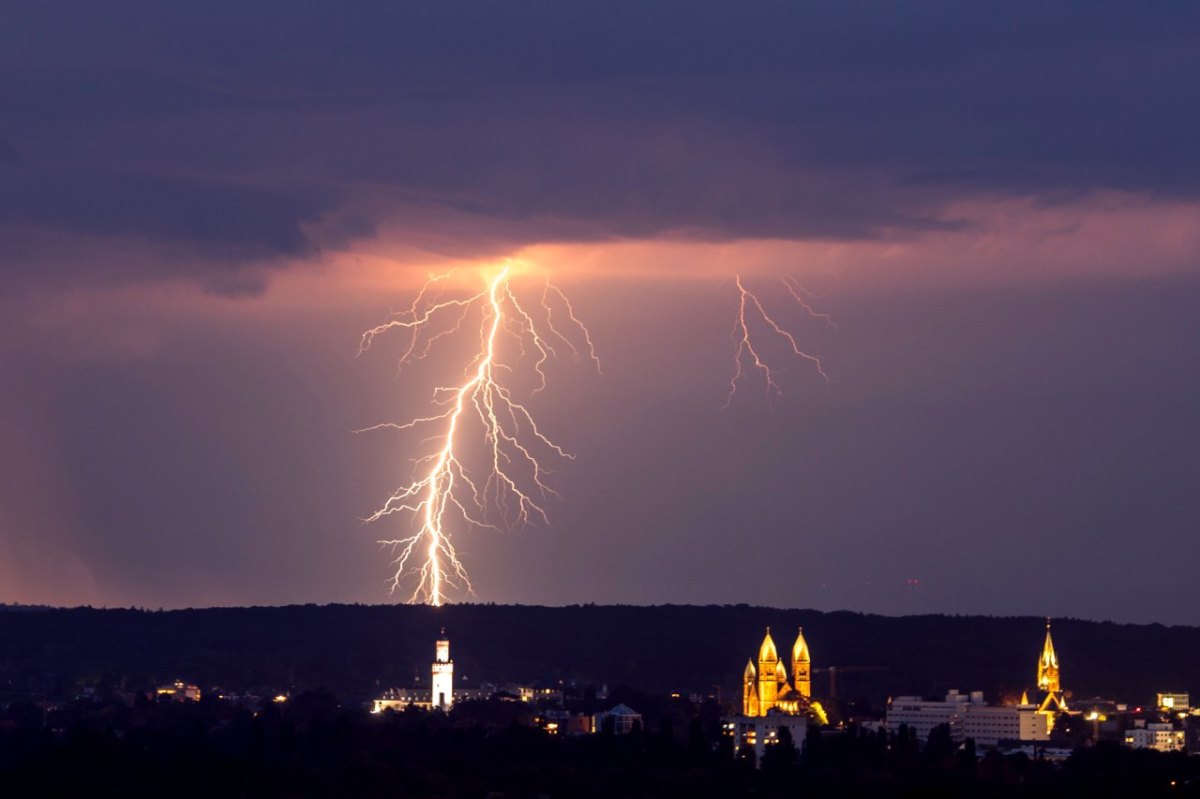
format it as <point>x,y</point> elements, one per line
<point>442,684</point>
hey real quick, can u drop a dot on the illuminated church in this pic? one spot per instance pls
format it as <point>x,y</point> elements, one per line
<point>766,689</point>
<point>770,702</point>
<point>1053,700</point>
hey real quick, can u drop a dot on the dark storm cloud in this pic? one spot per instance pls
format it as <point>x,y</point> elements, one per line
<point>235,127</point>
<point>227,219</point>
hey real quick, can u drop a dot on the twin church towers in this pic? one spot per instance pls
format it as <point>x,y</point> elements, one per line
<point>766,688</point>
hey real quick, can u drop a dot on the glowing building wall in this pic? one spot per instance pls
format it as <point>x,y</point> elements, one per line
<point>442,684</point>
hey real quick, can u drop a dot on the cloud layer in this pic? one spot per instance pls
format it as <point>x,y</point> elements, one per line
<point>262,134</point>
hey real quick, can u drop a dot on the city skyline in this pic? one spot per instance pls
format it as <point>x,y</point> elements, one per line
<point>199,215</point>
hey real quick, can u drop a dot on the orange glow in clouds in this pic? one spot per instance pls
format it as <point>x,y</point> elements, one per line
<point>983,244</point>
<point>508,484</point>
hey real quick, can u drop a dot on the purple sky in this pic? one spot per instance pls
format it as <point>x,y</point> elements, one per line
<point>201,210</point>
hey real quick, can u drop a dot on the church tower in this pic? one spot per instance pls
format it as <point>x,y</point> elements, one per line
<point>768,681</point>
<point>749,690</point>
<point>442,683</point>
<point>1048,680</point>
<point>1047,672</point>
<point>802,665</point>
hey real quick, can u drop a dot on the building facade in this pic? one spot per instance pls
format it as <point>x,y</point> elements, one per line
<point>922,715</point>
<point>989,725</point>
<point>1174,702</point>
<point>968,716</point>
<point>1162,737</point>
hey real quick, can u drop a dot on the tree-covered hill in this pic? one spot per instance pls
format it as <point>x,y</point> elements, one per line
<point>357,649</point>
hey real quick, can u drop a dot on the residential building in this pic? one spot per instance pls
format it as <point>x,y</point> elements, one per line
<point>1160,736</point>
<point>622,717</point>
<point>1174,703</point>
<point>180,691</point>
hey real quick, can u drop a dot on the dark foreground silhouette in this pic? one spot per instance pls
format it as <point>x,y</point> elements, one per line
<point>311,746</point>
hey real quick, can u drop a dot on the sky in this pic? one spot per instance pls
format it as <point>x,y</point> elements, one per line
<point>203,207</point>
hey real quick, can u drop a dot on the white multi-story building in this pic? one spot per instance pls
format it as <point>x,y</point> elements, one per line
<point>1160,736</point>
<point>922,715</point>
<point>968,716</point>
<point>988,725</point>
<point>1174,703</point>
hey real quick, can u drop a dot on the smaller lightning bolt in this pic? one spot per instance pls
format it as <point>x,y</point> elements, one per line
<point>443,489</point>
<point>747,356</point>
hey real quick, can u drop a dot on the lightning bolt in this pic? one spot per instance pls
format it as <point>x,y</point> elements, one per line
<point>747,357</point>
<point>510,479</point>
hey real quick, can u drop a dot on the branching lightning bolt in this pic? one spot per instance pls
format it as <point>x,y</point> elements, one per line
<point>747,356</point>
<point>511,480</point>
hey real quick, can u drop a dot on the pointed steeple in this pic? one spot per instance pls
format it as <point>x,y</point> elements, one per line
<point>768,684</point>
<point>802,664</point>
<point>800,648</point>
<point>1047,673</point>
<point>1024,698</point>
<point>780,672</point>
<point>749,690</point>
<point>767,652</point>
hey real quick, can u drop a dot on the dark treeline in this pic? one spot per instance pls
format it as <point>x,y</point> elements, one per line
<point>314,747</point>
<point>355,650</point>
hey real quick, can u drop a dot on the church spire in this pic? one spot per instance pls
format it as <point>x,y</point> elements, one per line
<point>1049,678</point>
<point>749,690</point>
<point>768,684</point>
<point>1047,673</point>
<point>767,652</point>
<point>800,648</point>
<point>802,665</point>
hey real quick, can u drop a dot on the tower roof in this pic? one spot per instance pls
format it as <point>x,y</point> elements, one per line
<point>750,672</point>
<point>1049,658</point>
<point>1048,677</point>
<point>767,651</point>
<point>800,648</point>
